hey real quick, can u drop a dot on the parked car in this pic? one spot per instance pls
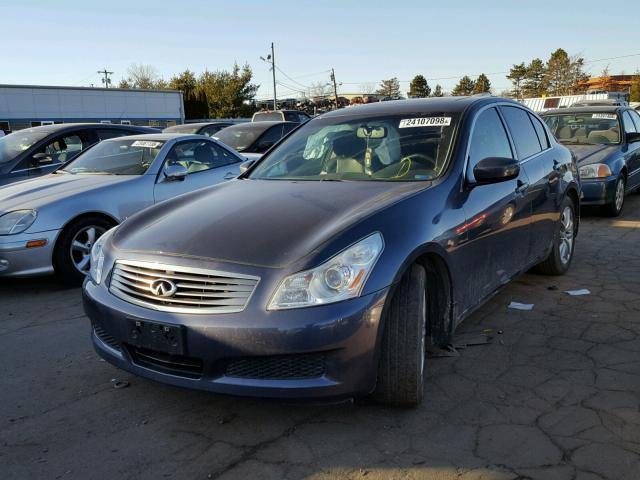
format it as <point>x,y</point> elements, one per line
<point>606,142</point>
<point>202,128</point>
<point>295,116</point>
<point>330,264</point>
<point>50,223</point>
<point>254,137</point>
<point>37,151</point>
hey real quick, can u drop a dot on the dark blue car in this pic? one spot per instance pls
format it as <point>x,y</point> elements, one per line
<point>32,152</point>
<point>330,264</point>
<point>606,142</point>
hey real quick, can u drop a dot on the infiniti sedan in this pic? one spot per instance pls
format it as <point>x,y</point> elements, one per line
<point>606,142</point>
<point>50,223</point>
<point>330,264</point>
<point>254,137</point>
<point>37,151</point>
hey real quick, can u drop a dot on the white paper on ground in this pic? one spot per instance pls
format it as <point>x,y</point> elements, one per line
<point>521,306</point>
<point>576,293</point>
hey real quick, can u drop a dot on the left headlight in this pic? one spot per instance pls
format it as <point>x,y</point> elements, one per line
<point>595,170</point>
<point>17,221</point>
<point>339,278</point>
<point>97,257</point>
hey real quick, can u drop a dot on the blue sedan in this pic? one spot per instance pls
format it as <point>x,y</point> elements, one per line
<point>606,142</point>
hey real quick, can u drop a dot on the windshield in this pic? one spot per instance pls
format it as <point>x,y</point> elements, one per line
<point>389,148</point>
<point>117,157</point>
<point>15,143</point>
<point>239,137</point>
<point>585,128</point>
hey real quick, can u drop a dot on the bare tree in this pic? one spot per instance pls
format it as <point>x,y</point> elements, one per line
<point>142,76</point>
<point>368,88</point>
<point>319,89</point>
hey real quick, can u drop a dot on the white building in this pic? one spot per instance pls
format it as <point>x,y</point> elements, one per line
<point>541,104</point>
<point>24,106</point>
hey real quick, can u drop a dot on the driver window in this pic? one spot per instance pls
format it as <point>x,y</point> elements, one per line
<point>198,156</point>
<point>629,126</point>
<point>489,139</point>
<point>63,149</point>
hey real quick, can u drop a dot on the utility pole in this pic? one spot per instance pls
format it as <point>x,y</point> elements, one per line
<point>273,70</point>
<point>335,87</point>
<point>105,80</point>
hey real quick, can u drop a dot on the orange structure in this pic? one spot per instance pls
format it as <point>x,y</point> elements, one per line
<point>611,83</point>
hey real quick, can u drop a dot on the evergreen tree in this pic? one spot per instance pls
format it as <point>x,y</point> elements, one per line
<point>390,88</point>
<point>534,80</point>
<point>564,75</point>
<point>482,84</point>
<point>517,74</point>
<point>437,92</point>
<point>464,87</point>
<point>419,87</point>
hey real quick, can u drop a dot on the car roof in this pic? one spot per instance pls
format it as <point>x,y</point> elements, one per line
<point>158,136</point>
<point>201,124</point>
<point>259,125</point>
<point>58,127</point>
<point>594,109</point>
<point>417,106</point>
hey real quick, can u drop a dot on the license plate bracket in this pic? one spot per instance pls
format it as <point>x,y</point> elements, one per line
<point>160,337</point>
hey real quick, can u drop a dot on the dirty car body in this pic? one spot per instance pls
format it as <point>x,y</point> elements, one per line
<point>222,290</point>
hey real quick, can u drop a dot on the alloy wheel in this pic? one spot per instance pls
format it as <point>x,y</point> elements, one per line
<point>619,199</point>
<point>81,245</point>
<point>567,235</point>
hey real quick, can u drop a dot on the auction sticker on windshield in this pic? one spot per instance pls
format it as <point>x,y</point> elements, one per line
<point>146,143</point>
<point>425,122</point>
<point>604,116</point>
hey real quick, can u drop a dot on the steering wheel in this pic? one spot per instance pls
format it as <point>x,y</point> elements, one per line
<point>420,158</point>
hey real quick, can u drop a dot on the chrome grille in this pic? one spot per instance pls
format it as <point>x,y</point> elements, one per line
<point>197,290</point>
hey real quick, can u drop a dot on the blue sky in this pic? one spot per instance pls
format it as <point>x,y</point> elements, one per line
<point>66,42</point>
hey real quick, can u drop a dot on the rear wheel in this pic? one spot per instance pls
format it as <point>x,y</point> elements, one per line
<point>72,254</point>
<point>402,356</point>
<point>558,261</point>
<point>614,209</point>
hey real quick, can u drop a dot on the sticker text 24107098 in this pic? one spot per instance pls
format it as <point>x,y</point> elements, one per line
<point>425,122</point>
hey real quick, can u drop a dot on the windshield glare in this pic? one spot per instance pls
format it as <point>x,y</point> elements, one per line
<point>585,128</point>
<point>117,157</point>
<point>15,143</point>
<point>389,148</point>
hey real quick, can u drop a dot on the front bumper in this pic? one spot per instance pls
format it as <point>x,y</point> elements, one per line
<point>598,191</point>
<point>16,260</point>
<point>343,336</point>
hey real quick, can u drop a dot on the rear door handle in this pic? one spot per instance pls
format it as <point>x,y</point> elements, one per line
<point>522,186</point>
<point>556,165</point>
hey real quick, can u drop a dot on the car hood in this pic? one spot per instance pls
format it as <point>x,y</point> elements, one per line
<point>587,154</point>
<point>257,222</point>
<point>50,188</point>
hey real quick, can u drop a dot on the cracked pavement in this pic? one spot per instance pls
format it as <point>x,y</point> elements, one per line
<point>554,396</point>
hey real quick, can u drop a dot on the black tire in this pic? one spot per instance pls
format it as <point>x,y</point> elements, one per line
<point>403,351</point>
<point>63,261</point>
<point>557,263</point>
<point>614,209</point>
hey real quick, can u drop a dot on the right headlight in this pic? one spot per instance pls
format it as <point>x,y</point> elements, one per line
<point>97,257</point>
<point>595,170</point>
<point>17,221</point>
<point>339,278</point>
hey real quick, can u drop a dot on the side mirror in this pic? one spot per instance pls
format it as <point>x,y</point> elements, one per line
<point>175,173</point>
<point>40,159</point>
<point>633,137</point>
<point>264,146</point>
<point>496,169</point>
<point>244,166</point>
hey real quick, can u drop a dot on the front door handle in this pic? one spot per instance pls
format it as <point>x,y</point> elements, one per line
<point>556,165</point>
<point>522,186</point>
<point>230,175</point>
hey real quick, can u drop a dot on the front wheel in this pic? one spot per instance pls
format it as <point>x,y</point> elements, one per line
<point>614,209</point>
<point>564,239</point>
<point>72,254</point>
<point>401,366</point>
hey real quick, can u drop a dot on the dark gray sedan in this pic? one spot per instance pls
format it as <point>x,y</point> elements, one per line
<point>329,265</point>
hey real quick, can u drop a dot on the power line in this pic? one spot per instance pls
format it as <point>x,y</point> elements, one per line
<point>105,79</point>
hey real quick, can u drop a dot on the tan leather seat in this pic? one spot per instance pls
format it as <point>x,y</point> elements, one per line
<point>347,149</point>
<point>604,136</point>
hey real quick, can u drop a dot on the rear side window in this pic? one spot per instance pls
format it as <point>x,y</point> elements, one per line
<point>540,130</point>
<point>629,126</point>
<point>635,116</point>
<point>104,134</point>
<point>522,131</point>
<point>489,139</point>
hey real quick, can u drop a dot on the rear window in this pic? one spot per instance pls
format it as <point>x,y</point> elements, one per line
<point>267,117</point>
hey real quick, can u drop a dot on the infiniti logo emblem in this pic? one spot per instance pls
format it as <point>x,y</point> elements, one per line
<point>163,288</point>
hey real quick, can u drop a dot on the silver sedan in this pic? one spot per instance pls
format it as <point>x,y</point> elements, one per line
<point>50,223</point>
